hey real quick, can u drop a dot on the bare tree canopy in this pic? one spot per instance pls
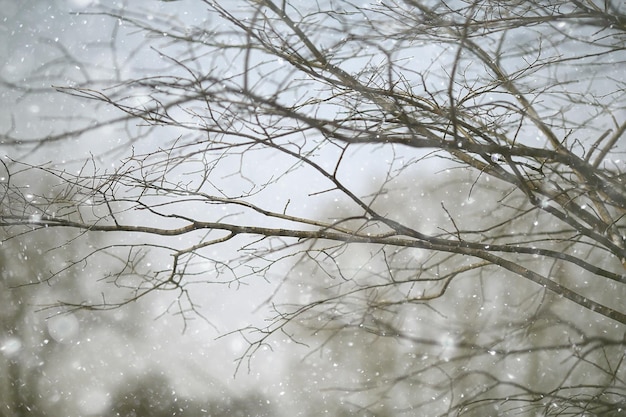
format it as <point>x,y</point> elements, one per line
<point>445,176</point>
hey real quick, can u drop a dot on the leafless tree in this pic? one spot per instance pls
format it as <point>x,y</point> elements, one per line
<point>469,152</point>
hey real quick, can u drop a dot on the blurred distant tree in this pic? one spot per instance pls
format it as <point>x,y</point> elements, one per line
<point>153,396</point>
<point>470,151</point>
<point>27,348</point>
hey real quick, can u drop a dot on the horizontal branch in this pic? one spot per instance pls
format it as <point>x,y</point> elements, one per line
<point>423,242</point>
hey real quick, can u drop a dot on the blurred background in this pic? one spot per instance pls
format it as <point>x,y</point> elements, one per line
<point>157,356</point>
